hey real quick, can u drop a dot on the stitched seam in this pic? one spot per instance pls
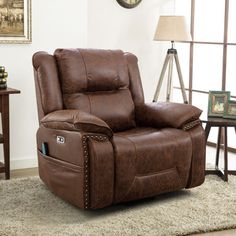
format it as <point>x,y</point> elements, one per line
<point>134,168</point>
<point>143,133</point>
<point>176,147</point>
<point>85,67</point>
<point>114,169</point>
<point>191,124</point>
<point>134,149</point>
<point>40,91</point>
<point>127,193</point>
<point>158,172</point>
<point>190,175</point>
<point>90,106</point>
<point>117,79</point>
<point>94,166</point>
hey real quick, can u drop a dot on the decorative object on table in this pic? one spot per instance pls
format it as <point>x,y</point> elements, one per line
<point>230,109</point>
<point>216,103</point>
<point>129,3</point>
<point>3,78</point>
<point>171,28</point>
<point>15,21</point>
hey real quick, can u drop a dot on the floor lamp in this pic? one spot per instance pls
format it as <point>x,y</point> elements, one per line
<point>171,28</point>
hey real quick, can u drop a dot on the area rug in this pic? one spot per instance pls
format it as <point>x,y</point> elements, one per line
<point>28,208</point>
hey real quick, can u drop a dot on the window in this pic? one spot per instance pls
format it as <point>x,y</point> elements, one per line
<point>211,60</point>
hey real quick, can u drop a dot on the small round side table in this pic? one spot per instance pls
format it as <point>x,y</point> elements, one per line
<point>222,124</point>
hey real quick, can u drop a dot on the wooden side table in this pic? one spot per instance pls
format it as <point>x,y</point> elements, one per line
<point>4,137</point>
<point>222,124</point>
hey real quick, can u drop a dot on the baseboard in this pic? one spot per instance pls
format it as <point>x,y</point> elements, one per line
<point>23,163</point>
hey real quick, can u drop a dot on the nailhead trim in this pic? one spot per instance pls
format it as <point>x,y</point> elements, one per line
<point>86,163</point>
<point>190,125</point>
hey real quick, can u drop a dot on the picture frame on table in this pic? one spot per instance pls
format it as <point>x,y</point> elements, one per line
<point>15,21</point>
<point>230,110</point>
<point>216,103</point>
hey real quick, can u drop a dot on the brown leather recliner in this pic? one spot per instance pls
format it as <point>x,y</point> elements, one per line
<point>99,143</point>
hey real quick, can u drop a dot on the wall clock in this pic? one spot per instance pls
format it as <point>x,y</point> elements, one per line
<point>129,3</point>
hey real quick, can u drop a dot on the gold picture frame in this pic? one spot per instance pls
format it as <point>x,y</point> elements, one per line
<point>15,21</point>
<point>129,3</point>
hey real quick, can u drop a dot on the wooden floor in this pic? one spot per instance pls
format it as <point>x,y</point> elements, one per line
<point>34,171</point>
<point>21,173</point>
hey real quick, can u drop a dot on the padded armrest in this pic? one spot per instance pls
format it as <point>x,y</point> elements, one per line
<point>75,120</point>
<point>163,114</point>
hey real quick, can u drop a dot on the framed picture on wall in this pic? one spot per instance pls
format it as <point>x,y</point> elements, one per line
<point>230,110</point>
<point>129,3</point>
<point>216,103</point>
<point>15,21</point>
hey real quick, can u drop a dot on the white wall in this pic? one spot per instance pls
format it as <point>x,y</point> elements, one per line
<point>111,26</point>
<point>60,23</point>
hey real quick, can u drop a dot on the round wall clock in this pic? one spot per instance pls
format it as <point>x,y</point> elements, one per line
<point>129,3</point>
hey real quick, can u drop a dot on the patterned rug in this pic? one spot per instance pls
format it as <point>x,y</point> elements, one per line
<point>28,208</point>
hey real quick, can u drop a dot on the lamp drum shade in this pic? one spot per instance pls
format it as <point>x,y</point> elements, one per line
<point>172,28</point>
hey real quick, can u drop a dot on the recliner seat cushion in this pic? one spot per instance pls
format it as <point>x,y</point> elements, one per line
<point>88,87</point>
<point>149,161</point>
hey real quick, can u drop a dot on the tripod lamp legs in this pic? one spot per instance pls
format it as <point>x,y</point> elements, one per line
<point>169,82</point>
<point>169,60</point>
<point>181,81</point>
<point>160,81</point>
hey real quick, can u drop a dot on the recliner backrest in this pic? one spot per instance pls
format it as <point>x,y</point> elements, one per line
<point>105,83</point>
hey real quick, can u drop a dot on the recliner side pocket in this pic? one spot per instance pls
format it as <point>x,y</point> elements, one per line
<point>64,179</point>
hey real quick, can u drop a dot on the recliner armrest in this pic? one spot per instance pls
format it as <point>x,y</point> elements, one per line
<point>76,120</point>
<point>163,114</point>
